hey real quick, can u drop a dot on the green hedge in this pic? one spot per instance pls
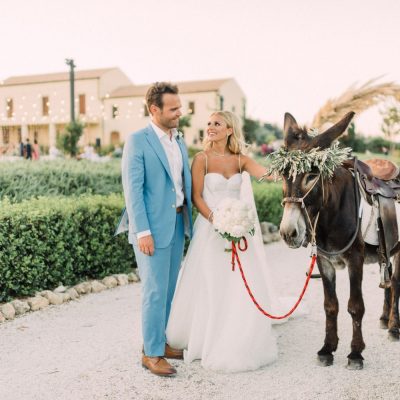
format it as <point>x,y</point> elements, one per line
<point>53,240</point>
<point>268,197</point>
<point>48,241</point>
<point>25,179</point>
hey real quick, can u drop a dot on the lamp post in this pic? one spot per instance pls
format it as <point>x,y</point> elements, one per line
<point>70,62</point>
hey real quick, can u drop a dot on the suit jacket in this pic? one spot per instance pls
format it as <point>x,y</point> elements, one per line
<point>149,190</point>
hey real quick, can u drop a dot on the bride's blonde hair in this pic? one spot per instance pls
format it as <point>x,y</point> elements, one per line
<point>236,143</point>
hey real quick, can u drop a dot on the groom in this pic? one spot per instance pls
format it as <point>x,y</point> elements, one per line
<point>157,189</point>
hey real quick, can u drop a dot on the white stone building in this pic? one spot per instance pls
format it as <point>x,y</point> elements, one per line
<point>38,106</point>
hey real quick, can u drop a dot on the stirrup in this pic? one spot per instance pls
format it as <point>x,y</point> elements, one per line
<point>385,279</point>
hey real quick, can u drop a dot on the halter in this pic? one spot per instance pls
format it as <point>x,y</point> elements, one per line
<point>313,227</point>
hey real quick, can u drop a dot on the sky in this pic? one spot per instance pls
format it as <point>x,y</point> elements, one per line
<point>286,55</point>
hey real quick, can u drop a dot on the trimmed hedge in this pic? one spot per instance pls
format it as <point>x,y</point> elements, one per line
<point>22,180</point>
<point>53,240</point>
<point>48,241</point>
<point>268,197</point>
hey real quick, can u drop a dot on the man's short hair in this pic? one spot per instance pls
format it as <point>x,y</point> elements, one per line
<point>155,92</point>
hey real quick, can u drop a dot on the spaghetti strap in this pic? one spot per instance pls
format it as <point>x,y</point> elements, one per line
<point>205,155</point>
<point>240,165</point>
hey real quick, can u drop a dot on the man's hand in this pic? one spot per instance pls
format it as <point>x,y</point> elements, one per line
<point>146,245</point>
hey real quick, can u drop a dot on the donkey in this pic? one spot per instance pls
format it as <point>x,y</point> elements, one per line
<point>328,209</point>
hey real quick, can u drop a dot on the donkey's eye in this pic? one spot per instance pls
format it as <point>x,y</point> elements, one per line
<point>310,178</point>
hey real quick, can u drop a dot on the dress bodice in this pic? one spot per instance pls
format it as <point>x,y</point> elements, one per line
<point>217,188</point>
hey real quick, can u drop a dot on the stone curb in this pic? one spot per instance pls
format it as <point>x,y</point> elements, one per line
<point>62,294</point>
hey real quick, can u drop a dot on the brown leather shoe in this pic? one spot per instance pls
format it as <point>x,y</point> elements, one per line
<point>173,353</point>
<point>158,366</point>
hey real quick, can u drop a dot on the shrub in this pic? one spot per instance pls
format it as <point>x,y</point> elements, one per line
<point>25,179</point>
<point>376,144</point>
<point>48,241</point>
<point>268,197</point>
<point>68,140</point>
<point>53,240</point>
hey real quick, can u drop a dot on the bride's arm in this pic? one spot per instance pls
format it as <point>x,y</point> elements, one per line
<point>253,168</point>
<point>198,173</point>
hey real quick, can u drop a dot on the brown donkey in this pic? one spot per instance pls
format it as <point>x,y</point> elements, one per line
<point>329,208</point>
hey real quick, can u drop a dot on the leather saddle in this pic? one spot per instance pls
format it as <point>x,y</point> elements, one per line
<point>379,177</point>
<point>380,182</point>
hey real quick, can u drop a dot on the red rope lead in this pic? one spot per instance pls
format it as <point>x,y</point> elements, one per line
<point>235,256</point>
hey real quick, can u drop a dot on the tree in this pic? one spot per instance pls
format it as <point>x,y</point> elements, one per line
<point>250,127</point>
<point>274,130</point>
<point>351,139</point>
<point>184,122</point>
<point>255,132</point>
<point>391,123</point>
<point>68,141</point>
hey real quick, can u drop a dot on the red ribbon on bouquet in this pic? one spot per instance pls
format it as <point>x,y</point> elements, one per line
<point>235,257</point>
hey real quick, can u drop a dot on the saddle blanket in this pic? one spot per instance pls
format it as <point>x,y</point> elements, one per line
<point>369,226</point>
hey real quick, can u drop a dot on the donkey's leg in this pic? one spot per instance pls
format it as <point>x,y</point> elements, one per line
<point>356,309</point>
<point>394,303</point>
<point>384,319</point>
<point>331,306</point>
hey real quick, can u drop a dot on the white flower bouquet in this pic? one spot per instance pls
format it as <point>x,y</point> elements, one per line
<point>233,219</point>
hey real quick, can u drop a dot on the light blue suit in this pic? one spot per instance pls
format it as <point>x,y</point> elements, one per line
<point>150,205</point>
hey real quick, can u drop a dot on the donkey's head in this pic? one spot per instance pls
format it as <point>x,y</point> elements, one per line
<point>304,190</point>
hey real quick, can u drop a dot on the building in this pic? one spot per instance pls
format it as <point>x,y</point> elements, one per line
<point>126,110</point>
<point>110,105</point>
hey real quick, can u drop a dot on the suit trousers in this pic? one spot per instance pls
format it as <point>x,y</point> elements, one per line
<point>158,275</point>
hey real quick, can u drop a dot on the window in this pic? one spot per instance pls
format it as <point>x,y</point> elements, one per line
<point>114,112</point>
<point>191,107</point>
<point>10,108</point>
<point>6,134</point>
<point>115,140</point>
<point>45,106</point>
<point>82,104</point>
<point>221,102</point>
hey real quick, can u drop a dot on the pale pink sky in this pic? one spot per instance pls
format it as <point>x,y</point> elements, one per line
<point>286,55</point>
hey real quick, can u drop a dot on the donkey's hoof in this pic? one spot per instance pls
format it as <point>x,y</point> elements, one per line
<point>355,365</point>
<point>384,323</point>
<point>325,360</point>
<point>393,335</point>
<point>355,361</point>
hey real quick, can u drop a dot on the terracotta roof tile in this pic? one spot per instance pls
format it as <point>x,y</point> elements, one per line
<point>59,76</point>
<point>184,87</point>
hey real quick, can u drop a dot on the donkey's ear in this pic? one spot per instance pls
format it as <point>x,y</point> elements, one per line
<point>290,124</point>
<point>289,127</point>
<point>325,139</point>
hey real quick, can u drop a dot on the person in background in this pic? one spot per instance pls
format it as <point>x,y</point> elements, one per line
<point>21,149</point>
<point>36,150</point>
<point>28,150</point>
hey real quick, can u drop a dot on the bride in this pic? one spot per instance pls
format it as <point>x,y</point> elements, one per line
<point>212,317</point>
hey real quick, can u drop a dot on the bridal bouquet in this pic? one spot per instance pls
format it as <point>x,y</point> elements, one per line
<point>233,219</point>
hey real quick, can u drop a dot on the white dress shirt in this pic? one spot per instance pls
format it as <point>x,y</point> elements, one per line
<point>175,162</point>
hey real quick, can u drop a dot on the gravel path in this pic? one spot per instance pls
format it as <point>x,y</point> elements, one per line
<point>90,349</point>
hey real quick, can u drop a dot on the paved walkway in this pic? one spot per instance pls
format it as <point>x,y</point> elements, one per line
<point>90,349</point>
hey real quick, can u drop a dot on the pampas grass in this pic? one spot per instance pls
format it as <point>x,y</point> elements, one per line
<point>357,99</point>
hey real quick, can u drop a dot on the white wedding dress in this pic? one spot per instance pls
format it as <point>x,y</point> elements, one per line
<point>212,316</point>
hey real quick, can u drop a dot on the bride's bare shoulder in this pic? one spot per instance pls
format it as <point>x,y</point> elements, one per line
<point>199,160</point>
